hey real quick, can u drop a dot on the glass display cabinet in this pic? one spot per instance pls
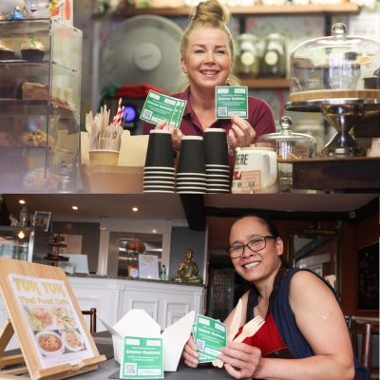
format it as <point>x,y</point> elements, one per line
<point>39,105</point>
<point>338,76</point>
<point>23,243</point>
<point>16,243</point>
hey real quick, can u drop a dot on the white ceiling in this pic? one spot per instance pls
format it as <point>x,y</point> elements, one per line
<point>221,209</point>
<point>169,206</point>
<point>93,207</point>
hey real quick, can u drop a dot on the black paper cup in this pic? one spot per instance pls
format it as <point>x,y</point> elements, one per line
<point>160,151</point>
<point>216,147</point>
<point>372,82</point>
<point>192,157</point>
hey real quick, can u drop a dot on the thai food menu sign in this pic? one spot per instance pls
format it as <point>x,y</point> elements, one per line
<point>55,328</point>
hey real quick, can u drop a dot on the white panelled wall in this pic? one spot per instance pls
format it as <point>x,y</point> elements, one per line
<point>113,298</point>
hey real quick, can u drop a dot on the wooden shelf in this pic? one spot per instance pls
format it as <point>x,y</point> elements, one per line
<point>345,8</point>
<point>266,83</point>
<point>246,11</point>
<point>347,173</point>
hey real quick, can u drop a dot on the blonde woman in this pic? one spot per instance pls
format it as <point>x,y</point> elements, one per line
<point>207,57</point>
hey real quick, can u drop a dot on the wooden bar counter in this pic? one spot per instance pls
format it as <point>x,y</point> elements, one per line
<point>348,173</point>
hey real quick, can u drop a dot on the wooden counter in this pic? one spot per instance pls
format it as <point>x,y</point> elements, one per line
<point>349,173</point>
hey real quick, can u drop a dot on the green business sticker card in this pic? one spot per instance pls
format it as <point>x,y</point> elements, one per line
<point>210,337</point>
<point>142,358</point>
<point>231,100</point>
<point>158,107</point>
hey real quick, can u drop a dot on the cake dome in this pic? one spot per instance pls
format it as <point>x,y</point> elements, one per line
<point>334,67</point>
<point>290,146</point>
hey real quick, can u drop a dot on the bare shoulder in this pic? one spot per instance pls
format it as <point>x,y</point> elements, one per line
<point>302,276</point>
<point>307,284</point>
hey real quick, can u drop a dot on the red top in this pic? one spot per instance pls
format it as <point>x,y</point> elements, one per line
<point>267,338</point>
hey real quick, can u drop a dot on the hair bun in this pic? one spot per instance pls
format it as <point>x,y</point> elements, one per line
<point>207,11</point>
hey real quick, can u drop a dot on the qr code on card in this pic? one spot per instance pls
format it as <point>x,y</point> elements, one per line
<point>201,345</point>
<point>147,114</point>
<point>222,111</point>
<point>130,368</point>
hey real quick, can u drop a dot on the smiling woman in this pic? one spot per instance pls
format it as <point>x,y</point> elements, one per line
<point>301,312</point>
<point>207,57</point>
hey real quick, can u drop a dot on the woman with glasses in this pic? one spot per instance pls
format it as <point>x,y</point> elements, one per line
<point>304,335</point>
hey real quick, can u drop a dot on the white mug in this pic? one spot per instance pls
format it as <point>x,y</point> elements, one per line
<point>255,171</point>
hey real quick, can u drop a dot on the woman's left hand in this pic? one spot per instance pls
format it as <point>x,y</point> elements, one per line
<point>242,133</point>
<point>240,360</point>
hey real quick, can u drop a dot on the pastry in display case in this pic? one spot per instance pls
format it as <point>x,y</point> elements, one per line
<point>40,94</point>
<point>330,75</point>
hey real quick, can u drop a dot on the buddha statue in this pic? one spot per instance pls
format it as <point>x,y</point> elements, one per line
<point>187,271</point>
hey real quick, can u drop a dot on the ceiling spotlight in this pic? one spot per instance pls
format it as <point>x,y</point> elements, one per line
<point>21,201</point>
<point>21,235</point>
<point>135,209</point>
<point>75,208</point>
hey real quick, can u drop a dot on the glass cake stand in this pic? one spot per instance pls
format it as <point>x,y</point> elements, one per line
<point>342,114</point>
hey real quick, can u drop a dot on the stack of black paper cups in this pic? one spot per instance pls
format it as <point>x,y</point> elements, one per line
<point>217,166</point>
<point>191,173</point>
<point>159,171</point>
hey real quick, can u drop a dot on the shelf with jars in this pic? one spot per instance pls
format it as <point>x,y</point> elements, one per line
<point>260,10</point>
<point>268,82</point>
<point>40,96</point>
<point>266,70</point>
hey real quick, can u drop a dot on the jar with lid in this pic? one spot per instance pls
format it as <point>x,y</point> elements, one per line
<point>289,146</point>
<point>24,217</point>
<point>274,56</point>
<point>133,264</point>
<point>163,272</point>
<point>247,61</point>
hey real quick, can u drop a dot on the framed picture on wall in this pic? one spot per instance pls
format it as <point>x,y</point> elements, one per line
<point>368,281</point>
<point>41,220</point>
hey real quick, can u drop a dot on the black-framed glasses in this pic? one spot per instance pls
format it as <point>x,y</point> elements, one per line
<point>256,244</point>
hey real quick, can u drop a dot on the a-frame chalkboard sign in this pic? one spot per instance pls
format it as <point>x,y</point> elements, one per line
<point>54,338</point>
